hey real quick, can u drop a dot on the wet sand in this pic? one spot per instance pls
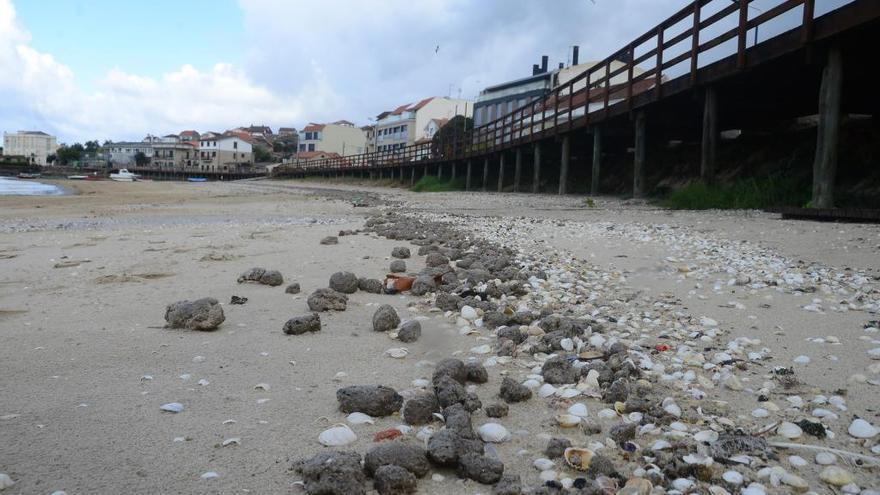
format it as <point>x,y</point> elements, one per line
<point>77,413</point>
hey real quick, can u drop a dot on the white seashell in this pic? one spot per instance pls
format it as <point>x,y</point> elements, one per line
<point>789,430</point>
<point>397,352</point>
<point>174,407</point>
<point>673,409</point>
<point>231,441</point>
<point>661,445</point>
<point>826,458</point>
<point>801,360</point>
<point>682,484</point>
<point>543,464</point>
<point>708,322</point>
<point>359,418</point>
<point>607,413</point>
<point>860,428</point>
<point>5,481</point>
<point>531,384</point>
<point>568,420</point>
<point>468,313</point>
<point>420,383</point>
<point>567,344</point>
<point>203,382</point>
<point>339,376</point>
<point>482,349</point>
<point>760,413</point>
<point>546,390</point>
<point>261,386</point>
<point>568,393</point>
<point>548,475</point>
<point>405,429</point>
<point>209,475</point>
<point>579,409</point>
<point>699,459</point>
<point>337,436</point>
<point>199,359</point>
<point>425,433</point>
<point>733,477</point>
<point>493,433</point>
<point>836,476</point>
<point>437,477</point>
<point>706,436</point>
<point>797,461</point>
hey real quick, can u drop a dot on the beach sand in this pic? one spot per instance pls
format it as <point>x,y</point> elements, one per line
<point>77,341</point>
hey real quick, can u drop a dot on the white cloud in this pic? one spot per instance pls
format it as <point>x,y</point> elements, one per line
<point>38,91</point>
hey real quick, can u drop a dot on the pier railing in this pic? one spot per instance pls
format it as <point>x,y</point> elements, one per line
<point>665,60</point>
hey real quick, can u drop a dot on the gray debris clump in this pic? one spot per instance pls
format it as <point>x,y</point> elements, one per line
<point>558,370</point>
<point>385,318</point>
<point>556,447</point>
<point>397,453</point>
<point>271,278</point>
<point>391,479</point>
<point>410,331</point>
<point>476,372</point>
<point>422,285</point>
<point>420,409</point>
<point>509,484</point>
<point>451,367</point>
<point>371,285</point>
<point>330,240</point>
<point>398,266</point>
<point>201,314</point>
<point>436,259</point>
<point>400,252</point>
<point>345,282</point>
<point>511,391</point>
<point>299,325</point>
<point>446,447</point>
<point>332,473</point>
<point>497,410</point>
<point>449,391</point>
<point>292,288</point>
<point>327,300</point>
<point>480,468</point>
<point>375,400</point>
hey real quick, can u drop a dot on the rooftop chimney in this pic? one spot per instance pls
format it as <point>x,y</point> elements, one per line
<point>561,65</point>
<point>544,60</point>
<point>536,69</point>
<point>574,55</point>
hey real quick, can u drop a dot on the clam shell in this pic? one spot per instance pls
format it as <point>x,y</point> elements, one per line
<point>568,420</point>
<point>337,436</point>
<point>397,352</point>
<point>579,458</point>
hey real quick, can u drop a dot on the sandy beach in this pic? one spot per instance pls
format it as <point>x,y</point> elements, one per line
<point>86,363</point>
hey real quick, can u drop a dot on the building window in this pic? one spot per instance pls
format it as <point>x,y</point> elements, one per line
<point>403,129</point>
<point>235,145</point>
<point>213,154</point>
<point>311,146</point>
<point>302,147</point>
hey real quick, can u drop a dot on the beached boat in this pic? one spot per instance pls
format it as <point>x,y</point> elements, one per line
<point>25,175</point>
<point>77,177</point>
<point>197,179</point>
<point>124,176</point>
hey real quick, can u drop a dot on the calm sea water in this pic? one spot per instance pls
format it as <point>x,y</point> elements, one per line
<point>18,187</point>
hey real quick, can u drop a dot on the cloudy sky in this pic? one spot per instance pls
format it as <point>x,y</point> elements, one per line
<point>106,69</point>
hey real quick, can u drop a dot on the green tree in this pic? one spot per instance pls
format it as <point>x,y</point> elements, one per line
<point>261,154</point>
<point>92,146</point>
<point>140,159</point>
<point>68,154</point>
<point>450,138</point>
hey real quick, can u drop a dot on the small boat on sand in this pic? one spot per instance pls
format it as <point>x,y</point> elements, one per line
<point>77,177</point>
<point>124,176</point>
<point>197,179</point>
<point>25,175</point>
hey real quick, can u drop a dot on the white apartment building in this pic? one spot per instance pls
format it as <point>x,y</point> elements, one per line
<point>225,154</point>
<point>33,145</point>
<point>340,137</point>
<point>410,123</point>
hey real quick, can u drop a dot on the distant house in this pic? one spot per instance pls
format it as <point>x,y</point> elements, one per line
<point>286,131</point>
<point>308,156</point>
<point>35,146</point>
<point>341,137</point>
<point>433,126</point>
<point>370,135</point>
<point>408,123</point>
<point>231,153</point>
<point>181,155</point>
<point>123,154</point>
<point>190,137</point>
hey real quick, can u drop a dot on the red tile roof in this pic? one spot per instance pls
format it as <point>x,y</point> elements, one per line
<point>308,155</point>
<point>422,103</point>
<point>312,127</point>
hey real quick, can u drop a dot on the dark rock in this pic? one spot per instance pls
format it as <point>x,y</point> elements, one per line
<point>238,300</point>
<point>556,447</point>
<point>476,276</point>
<point>394,480</point>
<point>272,278</point>
<point>449,391</point>
<point>292,288</point>
<point>506,347</point>
<point>330,239</point>
<point>605,373</point>
<point>511,333</point>
<point>398,453</point>
<point>410,331</point>
<point>400,252</point>
<point>509,484</point>
<point>558,370</point>
<point>511,391</point>
<point>420,409</point>
<point>447,302</point>
<point>623,432</point>
<point>345,282</point>
<point>371,285</point>
<point>332,473</point>
<point>494,319</point>
<point>436,259</point>
<point>375,400</point>
<point>443,448</point>
<point>601,466</point>
<point>327,300</point>
<point>201,314</point>
<point>618,391</point>
<point>480,468</point>
<point>496,410</point>
<point>302,324</point>
<point>422,285</point>
<point>451,367</point>
<point>262,276</point>
<point>398,266</point>
<point>591,427</point>
<point>472,402</point>
<point>476,372</point>
<point>385,318</point>
<point>430,248</point>
<point>458,419</point>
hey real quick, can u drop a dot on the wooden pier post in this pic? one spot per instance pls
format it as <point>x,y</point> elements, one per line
<point>639,155</point>
<point>517,171</point>
<point>710,136</point>
<point>536,165</point>
<point>412,177</point>
<point>825,164</point>
<point>563,167</point>
<point>501,172</point>
<point>467,179</point>
<point>485,173</point>
<point>453,172</point>
<point>597,160</point>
